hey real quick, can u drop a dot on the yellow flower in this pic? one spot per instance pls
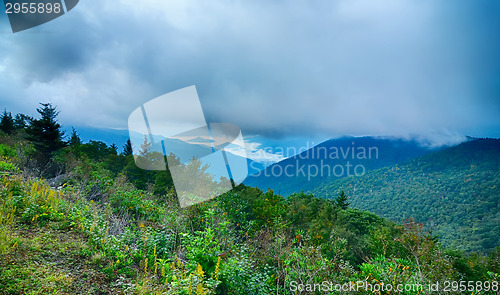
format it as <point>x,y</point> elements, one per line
<point>199,289</point>
<point>216,273</point>
<point>199,271</point>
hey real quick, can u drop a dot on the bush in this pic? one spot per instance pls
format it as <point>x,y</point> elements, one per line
<point>8,167</point>
<point>7,151</point>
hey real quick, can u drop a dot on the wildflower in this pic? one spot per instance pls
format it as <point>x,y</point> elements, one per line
<point>190,286</point>
<point>216,273</point>
<point>199,271</point>
<point>199,289</point>
<point>156,264</point>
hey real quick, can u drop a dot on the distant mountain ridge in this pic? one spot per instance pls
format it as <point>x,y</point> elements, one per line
<point>200,140</point>
<point>106,135</point>
<point>454,191</point>
<point>335,159</point>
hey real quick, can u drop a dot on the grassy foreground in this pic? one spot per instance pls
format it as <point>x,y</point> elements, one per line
<point>96,233</point>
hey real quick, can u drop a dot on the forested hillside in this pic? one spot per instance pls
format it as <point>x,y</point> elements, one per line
<point>80,218</point>
<point>455,192</point>
<point>332,160</point>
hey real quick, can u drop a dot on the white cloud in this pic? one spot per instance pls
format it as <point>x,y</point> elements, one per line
<point>347,67</point>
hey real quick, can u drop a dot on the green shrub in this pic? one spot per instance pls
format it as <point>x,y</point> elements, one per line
<point>135,204</point>
<point>240,276</point>
<point>382,270</point>
<point>36,213</point>
<point>7,151</point>
<point>8,167</point>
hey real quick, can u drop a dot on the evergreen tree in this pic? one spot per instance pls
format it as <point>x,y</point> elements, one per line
<point>127,148</point>
<point>97,150</point>
<point>7,122</point>
<point>46,133</point>
<point>145,151</point>
<point>341,201</point>
<point>114,148</point>
<point>149,159</point>
<point>21,121</point>
<point>75,138</point>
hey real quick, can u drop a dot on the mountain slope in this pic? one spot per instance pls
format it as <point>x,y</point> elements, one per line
<point>454,191</point>
<point>334,159</point>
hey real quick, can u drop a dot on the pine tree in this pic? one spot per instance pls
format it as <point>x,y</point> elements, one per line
<point>7,122</point>
<point>145,151</point>
<point>75,138</point>
<point>114,148</point>
<point>341,201</point>
<point>127,148</point>
<point>45,133</point>
<point>21,121</point>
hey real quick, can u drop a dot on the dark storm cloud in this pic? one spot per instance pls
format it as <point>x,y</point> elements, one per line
<point>357,67</point>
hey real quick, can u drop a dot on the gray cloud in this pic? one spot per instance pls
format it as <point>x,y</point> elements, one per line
<point>357,67</point>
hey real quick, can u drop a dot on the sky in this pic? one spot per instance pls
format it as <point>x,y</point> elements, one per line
<point>280,70</point>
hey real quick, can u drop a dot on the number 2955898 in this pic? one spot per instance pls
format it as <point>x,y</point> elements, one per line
<point>32,8</point>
